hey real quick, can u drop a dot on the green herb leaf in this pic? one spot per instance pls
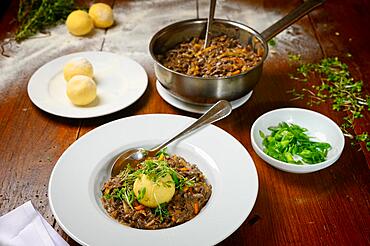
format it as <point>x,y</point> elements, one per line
<point>162,211</point>
<point>336,85</point>
<point>36,15</point>
<point>141,194</point>
<point>272,42</point>
<point>162,152</point>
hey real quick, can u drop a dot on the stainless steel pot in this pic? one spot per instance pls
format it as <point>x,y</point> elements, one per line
<point>205,91</point>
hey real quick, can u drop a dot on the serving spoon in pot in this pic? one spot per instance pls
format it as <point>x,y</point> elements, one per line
<point>211,14</point>
<point>136,155</point>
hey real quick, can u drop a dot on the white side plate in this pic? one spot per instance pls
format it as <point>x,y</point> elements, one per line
<point>120,82</point>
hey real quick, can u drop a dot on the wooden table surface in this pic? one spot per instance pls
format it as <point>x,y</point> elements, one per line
<point>322,208</point>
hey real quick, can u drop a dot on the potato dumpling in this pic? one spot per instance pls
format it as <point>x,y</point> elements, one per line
<point>157,192</point>
<point>79,23</point>
<point>81,90</point>
<point>78,66</point>
<point>101,14</point>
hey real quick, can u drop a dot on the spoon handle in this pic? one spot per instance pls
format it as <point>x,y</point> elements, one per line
<point>217,112</point>
<point>211,14</point>
<point>289,19</point>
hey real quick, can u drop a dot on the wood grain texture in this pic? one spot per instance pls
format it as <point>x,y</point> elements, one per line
<point>323,208</point>
<point>340,36</point>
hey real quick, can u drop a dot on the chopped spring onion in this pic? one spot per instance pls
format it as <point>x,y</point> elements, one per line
<point>290,143</point>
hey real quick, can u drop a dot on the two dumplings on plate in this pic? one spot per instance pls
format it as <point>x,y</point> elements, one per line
<point>81,88</point>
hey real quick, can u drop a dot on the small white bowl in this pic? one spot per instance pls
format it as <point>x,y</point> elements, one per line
<point>320,127</point>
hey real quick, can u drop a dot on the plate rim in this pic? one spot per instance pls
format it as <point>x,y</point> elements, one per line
<point>193,108</point>
<point>33,99</point>
<point>254,193</point>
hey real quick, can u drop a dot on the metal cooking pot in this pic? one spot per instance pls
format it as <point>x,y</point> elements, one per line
<point>205,91</point>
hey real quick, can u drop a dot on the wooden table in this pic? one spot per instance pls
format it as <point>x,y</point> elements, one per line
<point>322,208</point>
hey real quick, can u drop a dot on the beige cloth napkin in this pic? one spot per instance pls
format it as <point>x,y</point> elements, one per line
<point>24,226</point>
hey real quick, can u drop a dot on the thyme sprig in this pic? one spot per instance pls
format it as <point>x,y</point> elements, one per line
<point>337,86</point>
<point>36,15</point>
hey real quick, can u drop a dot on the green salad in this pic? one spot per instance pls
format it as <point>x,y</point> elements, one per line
<point>290,143</point>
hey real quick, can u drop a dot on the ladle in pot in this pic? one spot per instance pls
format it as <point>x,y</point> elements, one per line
<point>211,14</point>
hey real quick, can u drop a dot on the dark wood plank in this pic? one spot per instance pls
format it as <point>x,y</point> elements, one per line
<point>32,140</point>
<point>31,143</point>
<point>340,36</point>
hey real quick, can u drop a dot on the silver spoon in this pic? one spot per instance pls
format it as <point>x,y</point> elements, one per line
<point>134,156</point>
<point>211,14</point>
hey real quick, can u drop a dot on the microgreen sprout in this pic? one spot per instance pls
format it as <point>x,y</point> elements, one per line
<point>161,211</point>
<point>335,85</point>
<point>141,194</point>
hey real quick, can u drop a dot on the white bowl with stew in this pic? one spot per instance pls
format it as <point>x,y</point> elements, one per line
<point>320,128</point>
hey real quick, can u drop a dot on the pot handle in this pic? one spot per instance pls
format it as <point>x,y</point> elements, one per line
<point>289,19</point>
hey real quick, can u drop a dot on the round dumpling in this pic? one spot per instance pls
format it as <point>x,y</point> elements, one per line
<point>155,193</point>
<point>81,90</point>
<point>78,66</point>
<point>101,14</point>
<point>79,23</point>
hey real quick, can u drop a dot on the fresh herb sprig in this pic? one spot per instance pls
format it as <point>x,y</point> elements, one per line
<point>36,15</point>
<point>161,211</point>
<point>162,152</point>
<point>125,192</point>
<point>291,144</point>
<point>155,169</point>
<point>141,193</point>
<point>337,86</point>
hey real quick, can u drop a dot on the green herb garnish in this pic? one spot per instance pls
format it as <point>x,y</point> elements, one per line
<point>154,169</point>
<point>272,42</point>
<point>107,196</point>
<point>162,211</point>
<point>125,192</point>
<point>294,57</point>
<point>36,15</point>
<point>184,182</point>
<point>162,152</point>
<point>364,137</point>
<point>337,86</point>
<point>291,144</point>
<point>141,194</point>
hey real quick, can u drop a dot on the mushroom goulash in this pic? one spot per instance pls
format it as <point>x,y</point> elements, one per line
<point>160,192</point>
<point>223,57</point>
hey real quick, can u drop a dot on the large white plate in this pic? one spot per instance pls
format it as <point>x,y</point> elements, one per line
<point>120,82</point>
<point>74,186</point>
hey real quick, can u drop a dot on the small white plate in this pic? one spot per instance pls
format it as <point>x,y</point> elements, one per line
<point>120,82</point>
<point>320,127</point>
<point>192,107</point>
<point>76,180</point>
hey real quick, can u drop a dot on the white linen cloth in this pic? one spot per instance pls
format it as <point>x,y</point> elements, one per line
<point>25,226</point>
